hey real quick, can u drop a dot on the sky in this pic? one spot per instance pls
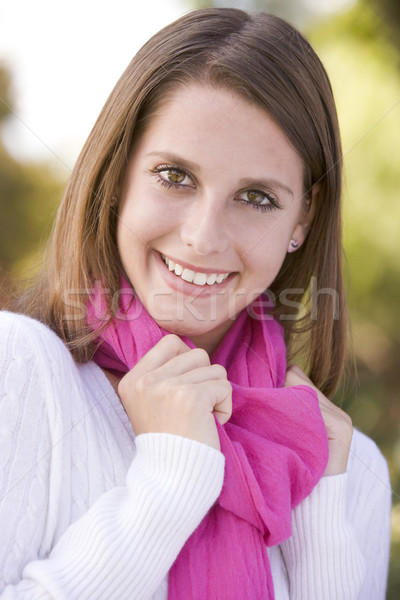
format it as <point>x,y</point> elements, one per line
<point>65,58</point>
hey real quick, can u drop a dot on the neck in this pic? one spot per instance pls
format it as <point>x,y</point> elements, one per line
<point>210,340</point>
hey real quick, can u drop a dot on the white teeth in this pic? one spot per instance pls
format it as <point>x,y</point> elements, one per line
<point>192,276</point>
<point>211,279</point>
<point>187,275</point>
<point>178,270</point>
<point>200,279</point>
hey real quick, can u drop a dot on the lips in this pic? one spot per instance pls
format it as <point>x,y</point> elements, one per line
<point>196,277</point>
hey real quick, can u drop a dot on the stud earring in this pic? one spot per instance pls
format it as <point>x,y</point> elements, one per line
<point>114,201</point>
<point>294,244</point>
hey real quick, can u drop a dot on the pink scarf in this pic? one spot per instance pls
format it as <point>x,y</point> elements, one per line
<point>275,448</point>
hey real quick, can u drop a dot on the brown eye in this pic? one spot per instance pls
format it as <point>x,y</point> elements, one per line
<point>256,197</point>
<point>175,176</point>
<point>169,176</point>
<point>258,200</point>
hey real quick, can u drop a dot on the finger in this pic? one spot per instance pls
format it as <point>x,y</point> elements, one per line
<point>157,367</point>
<point>222,408</point>
<point>209,397</point>
<point>192,360</point>
<point>296,376</point>
<point>205,374</point>
<point>170,346</point>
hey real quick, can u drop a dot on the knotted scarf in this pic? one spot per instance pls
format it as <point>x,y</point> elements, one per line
<point>275,448</point>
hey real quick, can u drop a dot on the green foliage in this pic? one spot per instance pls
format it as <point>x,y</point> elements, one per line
<point>363,65</point>
<point>28,197</point>
<point>5,97</point>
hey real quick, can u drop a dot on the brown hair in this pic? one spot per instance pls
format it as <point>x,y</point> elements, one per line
<point>268,62</point>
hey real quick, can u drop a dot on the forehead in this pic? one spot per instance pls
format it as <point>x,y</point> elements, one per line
<point>205,123</point>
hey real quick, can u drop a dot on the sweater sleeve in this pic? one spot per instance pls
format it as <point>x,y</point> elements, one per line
<point>341,532</point>
<point>125,544</point>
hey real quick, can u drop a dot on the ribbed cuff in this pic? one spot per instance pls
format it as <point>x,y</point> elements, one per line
<point>124,546</point>
<point>322,556</point>
<point>188,474</point>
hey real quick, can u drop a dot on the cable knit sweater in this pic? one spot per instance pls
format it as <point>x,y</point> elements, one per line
<point>88,511</point>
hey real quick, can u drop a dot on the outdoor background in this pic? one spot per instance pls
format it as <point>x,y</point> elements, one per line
<point>59,61</point>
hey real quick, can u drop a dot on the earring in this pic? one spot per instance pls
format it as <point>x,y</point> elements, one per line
<point>114,201</point>
<point>294,244</point>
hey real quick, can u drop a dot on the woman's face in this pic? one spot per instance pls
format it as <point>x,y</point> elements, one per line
<point>211,198</point>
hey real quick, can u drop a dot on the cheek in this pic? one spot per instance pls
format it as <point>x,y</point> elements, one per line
<point>131,239</point>
<point>141,227</point>
<point>134,223</point>
<point>264,256</point>
<point>146,212</point>
<point>124,231</point>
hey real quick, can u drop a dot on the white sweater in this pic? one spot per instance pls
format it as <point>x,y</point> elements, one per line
<point>88,511</point>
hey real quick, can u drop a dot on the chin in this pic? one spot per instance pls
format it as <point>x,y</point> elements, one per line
<point>182,328</point>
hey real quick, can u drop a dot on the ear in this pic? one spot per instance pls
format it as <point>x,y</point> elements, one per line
<point>306,217</point>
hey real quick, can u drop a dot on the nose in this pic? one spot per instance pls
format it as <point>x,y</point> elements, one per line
<point>204,227</point>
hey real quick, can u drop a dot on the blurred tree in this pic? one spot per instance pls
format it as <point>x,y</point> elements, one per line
<point>364,69</point>
<point>390,13</point>
<point>5,87</point>
<point>28,195</point>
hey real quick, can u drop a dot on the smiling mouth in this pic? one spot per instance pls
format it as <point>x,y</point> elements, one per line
<point>195,277</point>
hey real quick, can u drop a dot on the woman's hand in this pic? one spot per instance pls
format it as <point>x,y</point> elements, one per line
<point>174,389</point>
<point>338,423</point>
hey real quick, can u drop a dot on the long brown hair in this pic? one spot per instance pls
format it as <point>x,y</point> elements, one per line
<point>268,62</point>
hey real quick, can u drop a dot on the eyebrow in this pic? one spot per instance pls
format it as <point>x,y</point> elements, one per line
<point>270,183</point>
<point>246,182</point>
<point>175,159</point>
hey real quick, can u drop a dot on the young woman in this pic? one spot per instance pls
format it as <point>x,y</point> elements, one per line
<point>154,443</point>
